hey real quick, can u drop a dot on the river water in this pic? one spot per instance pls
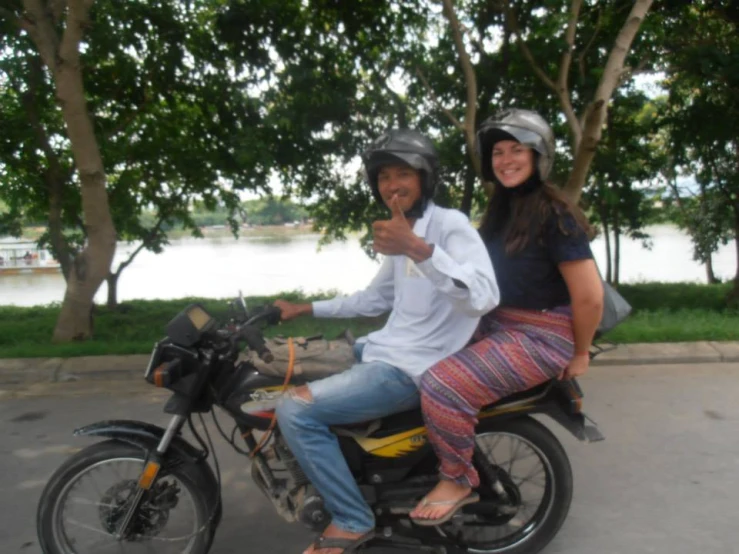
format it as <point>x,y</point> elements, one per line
<point>219,267</point>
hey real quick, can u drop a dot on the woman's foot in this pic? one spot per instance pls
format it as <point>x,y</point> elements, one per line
<point>441,501</point>
<point>333,532</point>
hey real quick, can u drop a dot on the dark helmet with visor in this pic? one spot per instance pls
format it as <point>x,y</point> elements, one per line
<point>524,126</point>
<point>406,147</point>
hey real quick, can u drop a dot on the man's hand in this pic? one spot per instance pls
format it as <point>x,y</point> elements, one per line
<point>395,236</point>
<point>291,311</point>
<point>579,366</point>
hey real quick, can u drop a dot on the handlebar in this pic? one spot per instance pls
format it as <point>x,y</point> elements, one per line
<point>272,314</point>
<point>253,335</point>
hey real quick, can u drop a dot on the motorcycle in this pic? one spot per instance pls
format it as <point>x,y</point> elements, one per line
<point>146,488</point>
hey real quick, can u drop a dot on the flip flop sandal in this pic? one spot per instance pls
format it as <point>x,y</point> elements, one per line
<point>347,545</point>
<point>455,504</point>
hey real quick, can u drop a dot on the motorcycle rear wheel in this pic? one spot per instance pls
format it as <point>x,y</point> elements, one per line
<point>503,443</point>
<point>60,532</point>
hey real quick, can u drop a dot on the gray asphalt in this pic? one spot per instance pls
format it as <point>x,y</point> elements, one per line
<point>666,480</point>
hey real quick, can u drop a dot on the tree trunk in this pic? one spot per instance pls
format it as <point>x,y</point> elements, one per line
<point>607,238</point>
<point>92,265</point>
<point>112,281</point>
<point>710,275</point>
<point>469,188</point>
<point>54,175</point>
<point>61,55</point>
<point>734,294</point>
<point>616,250</point>
<point>75,319</point>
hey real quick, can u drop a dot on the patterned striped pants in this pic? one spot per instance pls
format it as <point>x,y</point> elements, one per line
<point>517,350</point>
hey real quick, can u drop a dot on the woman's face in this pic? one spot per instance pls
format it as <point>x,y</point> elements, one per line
<point>513,162</point>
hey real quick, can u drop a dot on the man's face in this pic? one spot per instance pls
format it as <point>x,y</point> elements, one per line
<point>402,180</point>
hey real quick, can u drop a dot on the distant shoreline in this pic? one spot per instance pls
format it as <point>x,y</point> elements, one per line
<point>33,233</point>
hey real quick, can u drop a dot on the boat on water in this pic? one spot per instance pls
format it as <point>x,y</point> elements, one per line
<point>20,257</point>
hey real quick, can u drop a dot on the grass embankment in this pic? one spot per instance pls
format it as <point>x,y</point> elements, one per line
<point>662,313</point>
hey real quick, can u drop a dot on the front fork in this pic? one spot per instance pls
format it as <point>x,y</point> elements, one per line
<point>150,472</point>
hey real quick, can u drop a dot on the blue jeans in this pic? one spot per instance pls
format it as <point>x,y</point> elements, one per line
<point>364,392</point>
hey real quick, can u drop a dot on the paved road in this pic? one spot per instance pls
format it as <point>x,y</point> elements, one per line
<point>665,481</point>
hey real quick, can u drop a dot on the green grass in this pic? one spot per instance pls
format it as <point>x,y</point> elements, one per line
<point>676,296</point>
<point>662,313</point>
<point>676,326</point>
<point>26,332</point>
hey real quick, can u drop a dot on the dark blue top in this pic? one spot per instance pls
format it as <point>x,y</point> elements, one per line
<point>530,278</point>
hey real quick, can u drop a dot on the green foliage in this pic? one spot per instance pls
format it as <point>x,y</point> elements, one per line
<point>136,325</point>
<point>174,123</point>
<point>675,296</point>
<point>195,101</point>
<point>662,313</point>
<point>264,211</point>
<point>626,161</point>
<point>701,116</point>
<point>273,211</point>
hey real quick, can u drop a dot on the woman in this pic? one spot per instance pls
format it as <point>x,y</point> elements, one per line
<point>551,303</point>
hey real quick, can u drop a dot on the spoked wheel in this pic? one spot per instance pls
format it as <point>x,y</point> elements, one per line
<point>84,505</point>
<point>535,472</point>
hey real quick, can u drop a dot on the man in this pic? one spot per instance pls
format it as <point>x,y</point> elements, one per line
<point>436,280</point>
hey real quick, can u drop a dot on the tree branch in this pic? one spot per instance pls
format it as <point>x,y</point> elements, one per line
<point>474,40</point>
<point>560,87</point>
<point>77,21</point>
<point>435,98</point>
<point>42,32</point>
<point>581,56</point>
<point>145,242</point>
<point>592,130</point>
<point>57,8</point>
<point>512,22</point>
<point>382,82</point>
<point>464,59</point>
<point>15,19</point>
<point>629,72</point>
<point>563,90</point>
<point>468,128</point>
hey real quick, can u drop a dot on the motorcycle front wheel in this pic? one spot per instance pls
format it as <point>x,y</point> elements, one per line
<point>84,504</point>
<point>536,474</point>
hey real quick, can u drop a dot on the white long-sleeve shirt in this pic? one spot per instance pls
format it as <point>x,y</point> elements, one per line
<point>436,304</point>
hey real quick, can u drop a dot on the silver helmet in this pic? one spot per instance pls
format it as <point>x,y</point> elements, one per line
<point>404,146</point>
<point>524,126</point>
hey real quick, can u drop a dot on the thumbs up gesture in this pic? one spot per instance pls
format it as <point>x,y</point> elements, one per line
<point>394,236</point>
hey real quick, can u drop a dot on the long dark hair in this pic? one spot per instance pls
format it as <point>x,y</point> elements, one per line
<point>521,217</point>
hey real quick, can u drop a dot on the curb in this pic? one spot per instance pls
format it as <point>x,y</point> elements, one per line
<point>28,371</point>
<point>703,352</point>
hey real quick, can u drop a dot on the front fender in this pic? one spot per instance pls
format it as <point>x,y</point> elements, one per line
<point>146,436</point>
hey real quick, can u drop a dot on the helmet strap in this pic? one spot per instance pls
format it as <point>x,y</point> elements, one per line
<point>418,208</point>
